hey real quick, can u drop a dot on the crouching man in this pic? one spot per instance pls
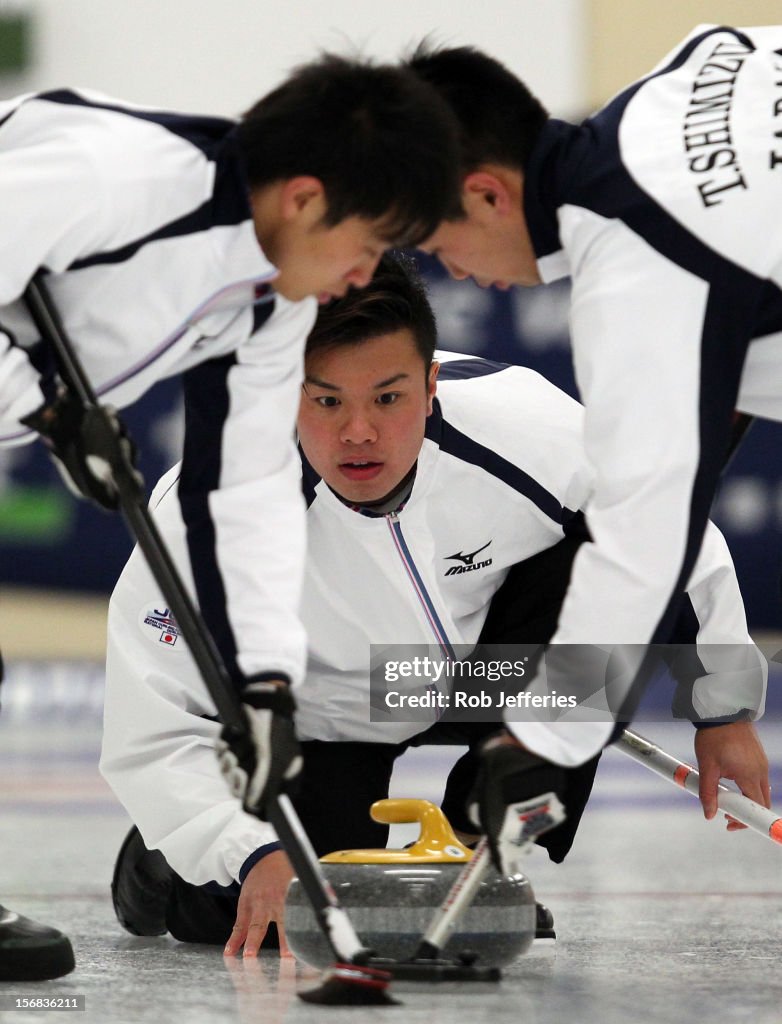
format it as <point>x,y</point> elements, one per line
<point>408,464</point>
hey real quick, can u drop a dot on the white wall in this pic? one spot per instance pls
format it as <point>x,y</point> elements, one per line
<point>219,56</point>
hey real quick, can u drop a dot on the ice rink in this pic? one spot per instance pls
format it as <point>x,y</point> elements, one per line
<point>661,917</point>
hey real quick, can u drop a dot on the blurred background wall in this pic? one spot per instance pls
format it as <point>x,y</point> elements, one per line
<point>218,58</point>
<point>626,38</point>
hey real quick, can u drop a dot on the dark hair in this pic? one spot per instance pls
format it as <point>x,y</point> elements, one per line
<point>499,118</point>
<point>381,141</point>
<point>394,300</point>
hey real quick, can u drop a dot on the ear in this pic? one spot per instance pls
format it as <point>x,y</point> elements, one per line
<point>490,190</point>
<point>303,194</point>
<point>431,385</point>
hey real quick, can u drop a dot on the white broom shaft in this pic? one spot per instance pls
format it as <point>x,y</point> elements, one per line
<point>753,815</point>
<point>459,897</point>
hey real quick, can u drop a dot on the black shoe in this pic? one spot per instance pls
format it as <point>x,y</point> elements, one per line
<point>30,951</point>
<point>544,923</point>
<point>141,887</point>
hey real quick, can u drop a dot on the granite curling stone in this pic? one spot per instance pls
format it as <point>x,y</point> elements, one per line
<point>391,896</point>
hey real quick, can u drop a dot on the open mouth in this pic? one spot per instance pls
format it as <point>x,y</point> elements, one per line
<point>360,469</point>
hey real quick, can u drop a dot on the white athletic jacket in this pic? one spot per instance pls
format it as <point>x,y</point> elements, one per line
<point>664,209</point>
<point>142,220</point>
<point>500,470</point>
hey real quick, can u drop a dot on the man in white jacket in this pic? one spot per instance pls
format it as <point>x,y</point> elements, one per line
<point>410,468</point>
<point>179,244</point>
<point>658,209</point>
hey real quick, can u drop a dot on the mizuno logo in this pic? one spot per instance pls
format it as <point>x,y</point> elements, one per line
<point>468,561</point>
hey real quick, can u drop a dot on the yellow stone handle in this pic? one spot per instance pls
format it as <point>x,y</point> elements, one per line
<point>436,843</point>
<point>406,811</point>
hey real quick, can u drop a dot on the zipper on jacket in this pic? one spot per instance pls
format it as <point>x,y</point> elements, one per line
<point>418,585</point>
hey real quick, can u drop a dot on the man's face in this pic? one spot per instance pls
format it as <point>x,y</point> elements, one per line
<point>315,258</point>
<point>363,414</point>
<point>491,244</point>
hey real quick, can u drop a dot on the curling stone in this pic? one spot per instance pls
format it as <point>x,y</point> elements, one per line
<point>391,896</point>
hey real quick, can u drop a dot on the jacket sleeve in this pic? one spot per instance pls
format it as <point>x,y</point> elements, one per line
<point>651,450</point>
<point>82,180</point>
<point>658,407</point>
<point>21,390</point>
<point>240,494</point>
<point>159,728</point>
<point>52,200</point>
<point>733,672</point>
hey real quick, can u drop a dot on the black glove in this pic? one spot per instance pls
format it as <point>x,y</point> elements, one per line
<point>89,447</point>
<point>514,800</point>
<point>265,760</point>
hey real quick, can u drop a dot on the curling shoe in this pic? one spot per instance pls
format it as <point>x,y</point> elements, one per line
<point>141,887</point>
<point>544,923</point>
<point>30,951</point>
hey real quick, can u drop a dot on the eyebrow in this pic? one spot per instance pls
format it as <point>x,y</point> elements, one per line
<point>309,379</point>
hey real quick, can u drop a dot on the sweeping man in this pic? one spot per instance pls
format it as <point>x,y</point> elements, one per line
<point>178,244</point>
<point>658,208</point>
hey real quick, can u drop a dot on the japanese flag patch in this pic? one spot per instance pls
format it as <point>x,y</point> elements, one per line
<point>160,627</point>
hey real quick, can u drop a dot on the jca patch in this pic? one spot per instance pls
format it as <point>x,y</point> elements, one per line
<point>160,626</point>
